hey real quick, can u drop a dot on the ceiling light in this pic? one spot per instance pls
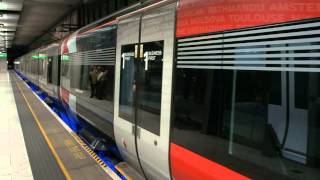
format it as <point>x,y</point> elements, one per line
<point>3,6</point>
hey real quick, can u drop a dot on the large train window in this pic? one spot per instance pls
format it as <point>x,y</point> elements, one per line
<point>251,102</point>
<point>89,72</point>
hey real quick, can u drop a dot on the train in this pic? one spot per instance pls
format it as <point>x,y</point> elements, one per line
<point>196,89</point>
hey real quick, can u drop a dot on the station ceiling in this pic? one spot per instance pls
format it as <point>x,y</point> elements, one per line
<point>23,21</point>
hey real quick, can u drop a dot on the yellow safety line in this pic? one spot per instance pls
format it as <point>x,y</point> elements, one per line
<point>55,154</point>
<point>123,173</point>
<point>89,151</point>
<point>96,158</point>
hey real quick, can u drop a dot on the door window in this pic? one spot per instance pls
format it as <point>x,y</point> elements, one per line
<point>149,80</point>
<point>143,75</point>
<point>127,82</point>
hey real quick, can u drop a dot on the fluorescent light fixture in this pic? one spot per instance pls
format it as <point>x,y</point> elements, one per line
<point>3,55</point>
<point>65,58</point>
<point>3,6</point>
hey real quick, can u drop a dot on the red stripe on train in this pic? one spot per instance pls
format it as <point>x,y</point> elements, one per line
<point>206,16</point>
<point>188,165</point>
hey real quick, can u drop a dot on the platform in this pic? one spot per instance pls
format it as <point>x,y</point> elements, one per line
<point>54,151</point>
<point>14,161</point>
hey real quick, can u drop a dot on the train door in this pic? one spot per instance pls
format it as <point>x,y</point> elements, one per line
<point>295,142</point>
<point>289,116</point>
<point>143,89</point>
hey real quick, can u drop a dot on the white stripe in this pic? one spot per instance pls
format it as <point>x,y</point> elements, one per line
<point>290,69</point>
<point>199,52</point>
<point>299,62</point>
<point>279,42</point>
<point>91,58</point>
<point>270,29</point>
<point>92,61</point>
<point>201,47</point>
<point>282,48</point>
<point>253,56</point>
<point>91,64</point>
<point>94,51</point>
<point>305,40</point>
<point>260,37</point>
<point>200,38</point>
<point>201,43</point>
<point>94,54</point>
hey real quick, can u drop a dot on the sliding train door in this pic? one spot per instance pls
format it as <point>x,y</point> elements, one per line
<point>289,115</point>
<point>296,140</point>
<point>124,101</point>
<point>143,89</point>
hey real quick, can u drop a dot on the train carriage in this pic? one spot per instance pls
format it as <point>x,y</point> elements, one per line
<point>198,89</point>
<point>48,60</point>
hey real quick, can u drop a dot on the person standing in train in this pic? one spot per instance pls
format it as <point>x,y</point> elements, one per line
<point>102,76</point>
<point>93,78</point>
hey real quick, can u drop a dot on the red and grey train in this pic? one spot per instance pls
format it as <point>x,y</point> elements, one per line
<point>197,89</point>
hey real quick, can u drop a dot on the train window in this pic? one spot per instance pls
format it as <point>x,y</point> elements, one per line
<point>256,110</point>
<point>89,72</point>
<point>65,72</point>
<point>49,71</point>
<point>94,84</point>
<point>55,72</point>
<point>226,116</point>
<point>301,87</point>
<point>149,79</point>
<point>275,89</point>
<point>127,83</point>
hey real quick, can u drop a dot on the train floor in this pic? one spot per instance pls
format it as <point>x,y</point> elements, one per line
<point>35,144</point>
